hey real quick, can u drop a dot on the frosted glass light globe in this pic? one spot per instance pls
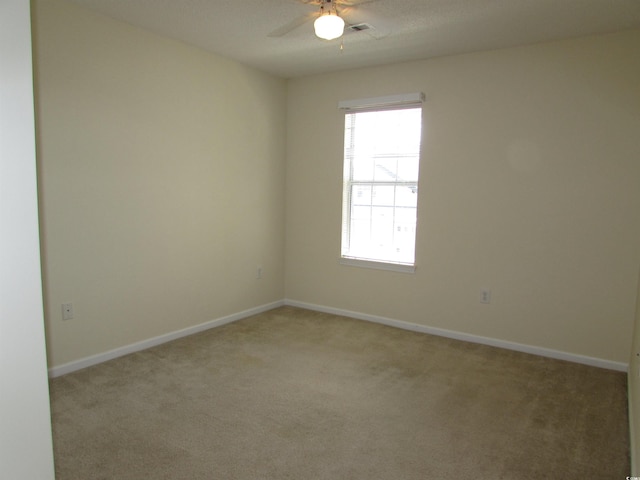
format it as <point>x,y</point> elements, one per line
<point>329,26</point>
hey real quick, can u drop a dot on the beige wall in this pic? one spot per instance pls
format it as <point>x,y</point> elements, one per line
<point>161,182</point>
<point>162,187</point>
<point>530,186</point>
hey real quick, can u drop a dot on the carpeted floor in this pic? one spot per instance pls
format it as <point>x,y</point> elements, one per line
<point>294,394</point>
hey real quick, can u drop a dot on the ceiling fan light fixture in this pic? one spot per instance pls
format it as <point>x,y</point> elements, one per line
<point>329,26</point>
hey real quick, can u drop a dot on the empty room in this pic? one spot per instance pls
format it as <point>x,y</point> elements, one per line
<point>240,247</point>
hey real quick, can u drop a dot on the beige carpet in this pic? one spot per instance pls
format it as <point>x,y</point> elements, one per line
<point>293,394</point>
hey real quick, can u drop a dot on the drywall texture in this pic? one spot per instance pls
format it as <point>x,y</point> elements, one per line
<point>161,181</point>
<point>529,187</point>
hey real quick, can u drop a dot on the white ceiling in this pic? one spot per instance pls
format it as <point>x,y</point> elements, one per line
<point>402,29</point>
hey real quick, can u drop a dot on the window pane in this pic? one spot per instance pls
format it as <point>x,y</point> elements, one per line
<point>382,226</point>
<point>382,154</point>
<point>361,213</point>
<point>405,232</point>
<point>360,235</point>
<point>408,168</point>
<point>406,196</point>
<point>360,228</point>
<point>363,168</point>
<point>383,195</point>
<point>386,170</point>
<point>361,195</point>
<point>406,215</point>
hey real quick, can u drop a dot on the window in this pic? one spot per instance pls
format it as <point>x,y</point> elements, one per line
<point>380,194</point>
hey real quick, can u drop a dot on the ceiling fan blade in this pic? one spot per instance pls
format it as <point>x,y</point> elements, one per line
<point>338,3</point>
<point>292,25</point>
<point>353,3</point>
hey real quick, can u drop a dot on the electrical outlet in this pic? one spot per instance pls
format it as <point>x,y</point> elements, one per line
<point>485,295</point>
<point>67,311</point>
<point>259,272</point>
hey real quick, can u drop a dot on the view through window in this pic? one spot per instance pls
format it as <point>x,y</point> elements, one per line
<point>380,196</point>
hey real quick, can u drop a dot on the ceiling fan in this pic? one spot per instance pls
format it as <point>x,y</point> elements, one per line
<point>328,19</point>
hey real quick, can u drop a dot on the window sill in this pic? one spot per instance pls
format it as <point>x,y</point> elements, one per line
<point>392,267</point>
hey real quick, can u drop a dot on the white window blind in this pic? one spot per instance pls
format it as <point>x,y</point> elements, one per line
<point>380,190</point>
<point>379,103</point>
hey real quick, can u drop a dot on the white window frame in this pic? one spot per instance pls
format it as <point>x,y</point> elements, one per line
<point>392,102</point>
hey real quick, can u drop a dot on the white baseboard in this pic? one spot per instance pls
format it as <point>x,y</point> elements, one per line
<point>519,347</point>
<point>152,342</point>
